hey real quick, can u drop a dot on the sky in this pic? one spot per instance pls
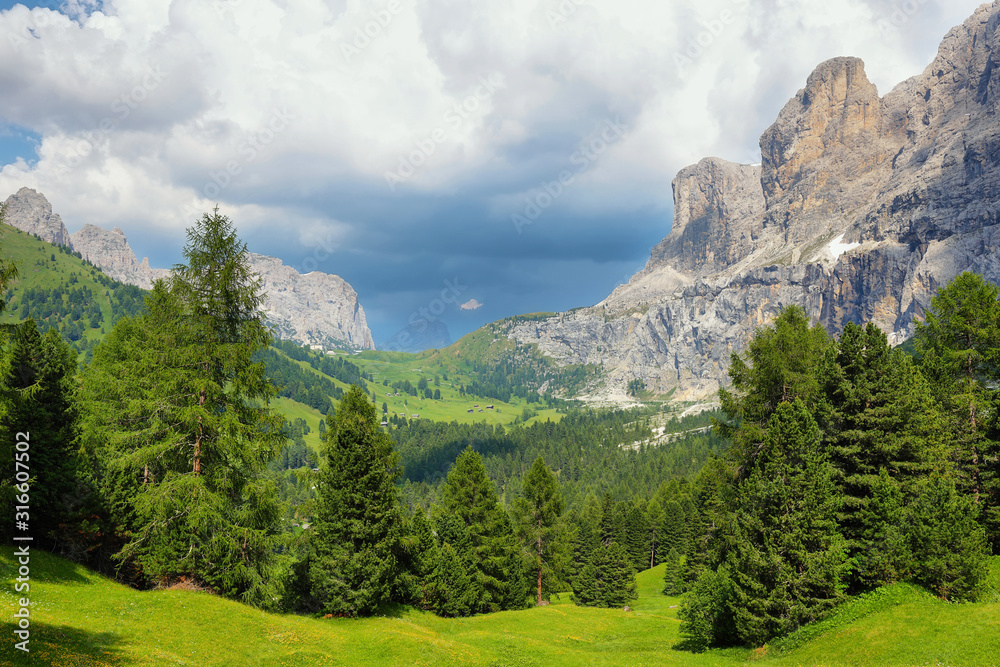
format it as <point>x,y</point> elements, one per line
<point>463,161</point>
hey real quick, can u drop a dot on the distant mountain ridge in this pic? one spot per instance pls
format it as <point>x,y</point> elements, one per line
<point>313,309</point>
<point>861,208</point>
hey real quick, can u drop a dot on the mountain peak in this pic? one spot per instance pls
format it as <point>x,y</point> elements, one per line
<point>29,211</point>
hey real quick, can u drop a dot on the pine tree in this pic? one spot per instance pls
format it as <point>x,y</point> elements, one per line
<point>788,558</point>
<point>636,530</point>
<point>674,529</point>
<point>779,366</point>
<point>959,345</point>
<point>608,579</point>
<point>39,381</point>
<point>654,516</point>
<point>357,525</point>
<point>538,511</point>
<point>879,415</point>
<point>673,574</point>
<point>493,554</point>
<point>177,427</point>
<point>947,545</point>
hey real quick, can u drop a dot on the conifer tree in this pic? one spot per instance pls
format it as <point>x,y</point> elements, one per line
<point>959,345</point>
<point>539,511</point>
<point>788,558</point>
<point>636,531</point>
<point>673,574</point>
<point>674,529</point>
<point>39,382</point>
<point>178,429</point>
<point>357,526</point>
<point>453,592</point>
<point>493,554</point>
<point>880,417</point>
<point>779,366</point>
<point>425,557</point>
<point>654,516</point>
<point>608,579</point>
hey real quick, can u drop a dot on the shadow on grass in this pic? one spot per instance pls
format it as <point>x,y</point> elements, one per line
<point>62,646</point>
<point>44,567</point>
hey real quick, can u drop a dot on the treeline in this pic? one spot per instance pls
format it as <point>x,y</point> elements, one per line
<point>852,465</point>
<point>335,366</point>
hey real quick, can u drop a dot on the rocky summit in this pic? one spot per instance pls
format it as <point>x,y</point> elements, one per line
<point>312,309</point>
<point>861,208</point>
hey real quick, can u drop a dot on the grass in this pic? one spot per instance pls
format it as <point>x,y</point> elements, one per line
<point>80,618</point>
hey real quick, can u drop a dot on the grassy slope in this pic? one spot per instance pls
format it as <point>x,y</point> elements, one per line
<point>37,270</point>
<point>79,618</point>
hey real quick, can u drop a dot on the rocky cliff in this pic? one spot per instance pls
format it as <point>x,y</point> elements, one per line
<point>313,309</point>
<point>861,208</point>
<point>31,212</point>
<point>111,252</point>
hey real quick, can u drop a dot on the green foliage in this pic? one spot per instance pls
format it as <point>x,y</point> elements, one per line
<point>946,543</point>
<point>538,513</point>
<point>356,530</point>
<point>779,366</point>
<point>490,546</point>
<point>788,559</point>
<point>176,430</point>
<point>673,575</point>
<point>607,580</point>
<point>705,612</point>
<point>959,346</point>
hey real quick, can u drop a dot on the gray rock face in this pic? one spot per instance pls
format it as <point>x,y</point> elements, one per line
<point>315,308</point>
<point>862,207</point>
<point>31,212</point>
<point>111,252</point>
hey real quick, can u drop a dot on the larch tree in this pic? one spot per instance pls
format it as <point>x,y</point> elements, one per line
<point>538,513</point>
<point>178,428</point>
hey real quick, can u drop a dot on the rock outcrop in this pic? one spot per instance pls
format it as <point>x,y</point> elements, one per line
<point>111,252</point>
<point>314,308</point>
<point>31,212</point>
<point>861,208</point>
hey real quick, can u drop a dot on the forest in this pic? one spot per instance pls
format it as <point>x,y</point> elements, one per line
<point>836,465</point>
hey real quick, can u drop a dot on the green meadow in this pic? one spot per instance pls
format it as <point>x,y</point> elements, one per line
<point>81,618</point>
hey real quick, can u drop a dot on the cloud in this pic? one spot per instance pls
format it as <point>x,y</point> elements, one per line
<point>291,115</point>
<point>471,304</point>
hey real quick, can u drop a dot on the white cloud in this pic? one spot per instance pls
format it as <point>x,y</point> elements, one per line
<point>141,104</point>
<point>471,304</point>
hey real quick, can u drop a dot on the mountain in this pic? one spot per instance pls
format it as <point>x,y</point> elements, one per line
<point>312,309</point>
<point>31,212</point>
<point>861,208</point>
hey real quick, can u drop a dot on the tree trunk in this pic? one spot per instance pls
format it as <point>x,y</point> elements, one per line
<point>539,569</point>
<point>197,438</point>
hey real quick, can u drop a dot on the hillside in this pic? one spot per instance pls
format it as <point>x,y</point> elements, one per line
<point>80,618</point>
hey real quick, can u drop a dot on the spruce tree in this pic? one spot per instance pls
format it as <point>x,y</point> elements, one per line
<point>879,415</point>
<point>357,525</point>
<point>636,535</point>
<point>177,426</point>
<point>39,380</point>
<point>538,512</point>
<point>654,516</point>
<point>673,574</point>
<point>959,346</point>
<point>788,558</point>
<point>608,579</point>
<point>493,553</point>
